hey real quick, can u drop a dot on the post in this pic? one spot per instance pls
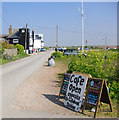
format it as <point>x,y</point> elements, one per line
<point>105,42</point>
<point>26,38</point>
<point>57,37</point>
<point>82,30</point>
<point>33,37</point>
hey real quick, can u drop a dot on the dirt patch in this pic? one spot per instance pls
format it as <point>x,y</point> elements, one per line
<point>40,92</point>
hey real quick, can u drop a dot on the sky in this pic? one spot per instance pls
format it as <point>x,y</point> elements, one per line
<point>100,21</point>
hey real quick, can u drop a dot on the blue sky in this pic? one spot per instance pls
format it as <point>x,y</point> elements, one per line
<point>100,21</point>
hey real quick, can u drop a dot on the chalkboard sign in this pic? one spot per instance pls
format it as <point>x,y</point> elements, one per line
<point>75,92</point>
<point>64,84</point>
<point>97,92</point>
<point>93,91</point>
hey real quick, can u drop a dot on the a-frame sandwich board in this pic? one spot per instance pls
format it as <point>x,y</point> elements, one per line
<point>96,93</point>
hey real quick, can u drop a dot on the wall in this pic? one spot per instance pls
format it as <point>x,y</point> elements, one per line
<point>10,52</point>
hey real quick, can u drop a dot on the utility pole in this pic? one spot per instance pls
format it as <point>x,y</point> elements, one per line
<point>57,37</point>
<point>86,42</point>
<point>105,42</point>
<point>82,29</point>
<point>26,38</point>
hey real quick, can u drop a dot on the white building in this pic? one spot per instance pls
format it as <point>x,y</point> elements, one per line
<point>38,41</point>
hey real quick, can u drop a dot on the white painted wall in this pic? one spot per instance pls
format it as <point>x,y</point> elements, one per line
<point>38,41</point>
<point>37,44</point>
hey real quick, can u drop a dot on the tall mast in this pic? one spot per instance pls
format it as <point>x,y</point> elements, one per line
<point>57,36</point>
<point>82,30</point>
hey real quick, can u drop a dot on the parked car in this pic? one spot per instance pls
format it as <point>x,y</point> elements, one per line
<point>84,48</point>
<point>59,49</point>
<point>43,49</point>
<point>74,52</point>
<point>71,52</point>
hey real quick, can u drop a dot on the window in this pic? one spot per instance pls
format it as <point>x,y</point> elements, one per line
<point>15,40</point>
<point>38,37</point>
<point>23,31</point>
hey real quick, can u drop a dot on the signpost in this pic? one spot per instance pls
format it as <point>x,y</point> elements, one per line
<point>97,92</point>
<point>75,92</point>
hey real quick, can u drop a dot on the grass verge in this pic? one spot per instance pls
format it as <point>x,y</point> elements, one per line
<point>19,56</point>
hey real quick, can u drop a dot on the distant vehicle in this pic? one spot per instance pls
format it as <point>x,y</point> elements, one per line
<point>74,52</point>
<point>84,48</point>
<point>43,49</point>
<point>71,52</point>
<point>60,49</point>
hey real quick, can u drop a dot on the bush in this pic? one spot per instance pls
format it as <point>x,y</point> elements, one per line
<point>57,54</point>
<point>6,45</point>
<point>20,49</point>
<point>11,46</point>
<point>100,65</point>
<point>47,48</point>
<point>1,49</point>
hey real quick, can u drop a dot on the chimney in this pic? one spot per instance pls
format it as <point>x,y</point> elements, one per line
<point>10,30</point>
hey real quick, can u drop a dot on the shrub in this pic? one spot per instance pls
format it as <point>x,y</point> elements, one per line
<point>1,49</point>
<point>20,49</point>
<point>6,45</point>
<point>47,48</point>
<point>11,46</point>
<point>57,54</point>
<point>100,65</point>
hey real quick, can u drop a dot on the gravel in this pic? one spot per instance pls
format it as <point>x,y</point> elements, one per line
<point>40,93</point>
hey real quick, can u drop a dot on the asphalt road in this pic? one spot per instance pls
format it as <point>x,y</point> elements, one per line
<point>13,75</point>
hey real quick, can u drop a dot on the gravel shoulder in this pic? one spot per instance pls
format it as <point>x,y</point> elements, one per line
<point>40,92</point>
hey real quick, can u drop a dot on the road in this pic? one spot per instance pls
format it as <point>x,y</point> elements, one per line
<point>13,75</point>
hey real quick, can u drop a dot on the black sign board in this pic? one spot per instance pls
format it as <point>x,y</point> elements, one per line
<point>64,84</point>
<point>93,92</point>
<point>97,92</point>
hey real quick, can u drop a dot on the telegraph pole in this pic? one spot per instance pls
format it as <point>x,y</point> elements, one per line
<point>57,37</point>
<point>105,42</point>
<point>26,38</point>
<point>82,29</point>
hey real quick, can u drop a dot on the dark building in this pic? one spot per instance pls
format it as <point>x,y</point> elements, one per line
<point>18,37</point>
<point>22,33</point>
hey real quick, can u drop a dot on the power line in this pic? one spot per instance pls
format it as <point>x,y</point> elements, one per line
<point>77,32</point>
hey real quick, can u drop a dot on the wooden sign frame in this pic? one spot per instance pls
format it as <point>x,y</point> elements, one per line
<point>62,85</point>
<point>103,95</point>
